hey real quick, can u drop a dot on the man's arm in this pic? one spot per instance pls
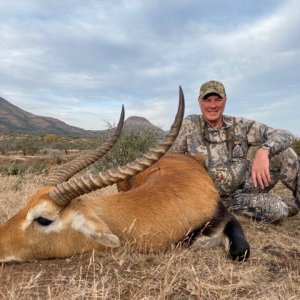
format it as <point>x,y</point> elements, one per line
<point>261,168</point>
<point>272,142</point>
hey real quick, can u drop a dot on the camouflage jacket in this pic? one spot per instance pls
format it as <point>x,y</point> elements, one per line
<point>225,149</point>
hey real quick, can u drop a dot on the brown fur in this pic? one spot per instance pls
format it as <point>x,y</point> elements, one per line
<point>158,207</point>
<point>164,203</point>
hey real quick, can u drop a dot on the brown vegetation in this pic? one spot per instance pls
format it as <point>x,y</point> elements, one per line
<point>272,272</point>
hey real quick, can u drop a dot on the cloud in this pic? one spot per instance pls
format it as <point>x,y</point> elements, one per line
<point>80,62</point>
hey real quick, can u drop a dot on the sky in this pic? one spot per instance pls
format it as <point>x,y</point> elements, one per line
<point>79,61</point>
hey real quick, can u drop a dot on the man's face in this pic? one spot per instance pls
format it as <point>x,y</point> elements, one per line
<point>212,108</point>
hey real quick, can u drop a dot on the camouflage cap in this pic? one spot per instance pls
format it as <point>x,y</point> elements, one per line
<point>212,86</point>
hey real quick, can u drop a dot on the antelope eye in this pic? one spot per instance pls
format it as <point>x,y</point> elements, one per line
<point>43,221</point>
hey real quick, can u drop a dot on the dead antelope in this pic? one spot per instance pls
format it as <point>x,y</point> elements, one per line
<point>162,202</point>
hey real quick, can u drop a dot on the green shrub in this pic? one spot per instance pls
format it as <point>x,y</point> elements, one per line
<point>129,146</point>
<point>3,170</point>
<point>37,167</point>
<point>296,146</point>
<point>14,169</point>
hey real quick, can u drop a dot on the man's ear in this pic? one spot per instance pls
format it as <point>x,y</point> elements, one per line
<point>93,227</point>
<point>199,101</point>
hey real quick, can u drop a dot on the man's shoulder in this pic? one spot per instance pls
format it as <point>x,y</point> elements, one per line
<point>191,123</point>
<point>192,118</point>
<point>241,121</point>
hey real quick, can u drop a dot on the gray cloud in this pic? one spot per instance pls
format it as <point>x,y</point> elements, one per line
<point>80,62</point>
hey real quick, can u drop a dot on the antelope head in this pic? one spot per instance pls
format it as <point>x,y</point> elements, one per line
<point>56,222</point>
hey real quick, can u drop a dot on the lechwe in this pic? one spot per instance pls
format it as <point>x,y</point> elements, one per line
<point>167,200</point>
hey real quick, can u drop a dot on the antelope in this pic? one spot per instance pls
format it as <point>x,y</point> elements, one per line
<point>164,199</point>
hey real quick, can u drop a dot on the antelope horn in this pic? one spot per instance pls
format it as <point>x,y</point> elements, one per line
<point>76,165</point>
<point>65,192</point>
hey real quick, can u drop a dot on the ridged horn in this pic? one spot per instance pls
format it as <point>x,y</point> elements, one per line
<point>65,192</point>
<point>76,165</point>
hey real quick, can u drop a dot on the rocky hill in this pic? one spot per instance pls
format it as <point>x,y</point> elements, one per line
<point>139,123</point>
<point>16,120</point>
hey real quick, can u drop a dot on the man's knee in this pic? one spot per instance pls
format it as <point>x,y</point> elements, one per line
<point>262,207</point>
<point>285,167</point>
<point>287,158</point>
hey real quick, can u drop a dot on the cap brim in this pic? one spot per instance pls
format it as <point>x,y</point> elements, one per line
<point>212,91</point>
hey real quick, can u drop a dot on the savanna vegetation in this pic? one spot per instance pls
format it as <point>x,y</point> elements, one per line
<point>37,154</point>
<point>272,271</point>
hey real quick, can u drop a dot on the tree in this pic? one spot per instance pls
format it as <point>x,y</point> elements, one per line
<point>51,138</point>
<point>296,146</point>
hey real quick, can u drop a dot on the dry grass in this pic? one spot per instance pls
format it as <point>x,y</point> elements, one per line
<point>272,272</point>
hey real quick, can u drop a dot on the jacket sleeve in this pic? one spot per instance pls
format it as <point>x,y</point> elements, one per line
<point>276,139</point>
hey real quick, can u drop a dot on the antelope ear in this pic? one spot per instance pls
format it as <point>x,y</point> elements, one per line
<point>107,239</point>
<point>93,227</point>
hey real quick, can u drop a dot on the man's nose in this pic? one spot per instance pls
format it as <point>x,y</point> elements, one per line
<point>212,104</point>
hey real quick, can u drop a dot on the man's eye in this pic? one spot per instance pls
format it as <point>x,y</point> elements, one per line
<point>43,221</point>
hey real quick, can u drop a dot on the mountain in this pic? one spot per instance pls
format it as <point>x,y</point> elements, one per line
<point>135,123</point>
<point>16,120</point>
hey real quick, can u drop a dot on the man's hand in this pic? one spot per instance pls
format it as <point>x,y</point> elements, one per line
<point>261,168</point>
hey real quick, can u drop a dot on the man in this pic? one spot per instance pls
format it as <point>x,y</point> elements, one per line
<point>225,141</point>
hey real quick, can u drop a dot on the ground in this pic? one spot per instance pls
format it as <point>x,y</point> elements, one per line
<point>272,272</point>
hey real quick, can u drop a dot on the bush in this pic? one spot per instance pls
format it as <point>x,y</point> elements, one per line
<point>37,167</point>
<point>129,146</point>
<point>15,169</point>
<point>51,138</point>
<point>29,145</point>
<point>296,146</point>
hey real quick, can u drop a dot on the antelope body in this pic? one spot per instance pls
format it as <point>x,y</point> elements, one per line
<point>162,201</point>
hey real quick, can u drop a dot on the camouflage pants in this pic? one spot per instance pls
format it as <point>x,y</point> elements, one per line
<point>262,204</point>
